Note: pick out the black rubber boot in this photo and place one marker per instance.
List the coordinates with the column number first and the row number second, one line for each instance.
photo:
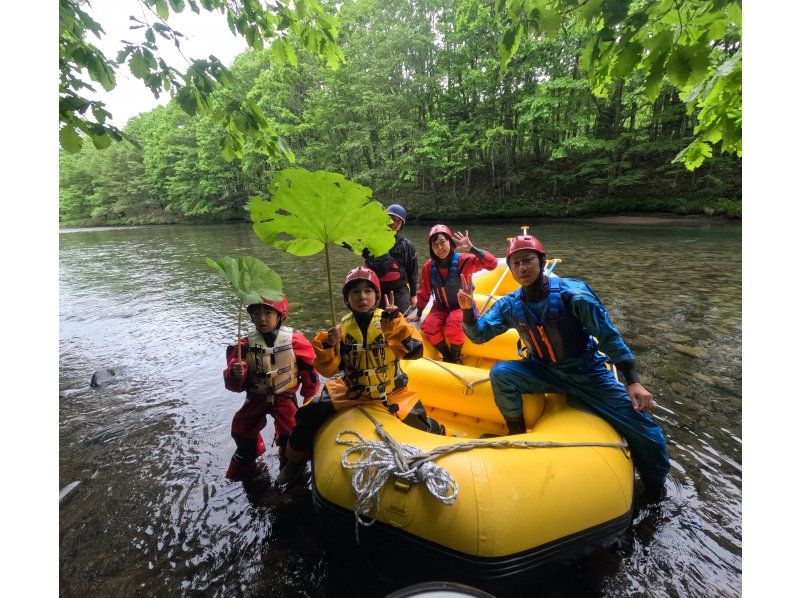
column 455, row 353
column 655, row 491
column 516, row 425
column 444, row 350
column 290, row 473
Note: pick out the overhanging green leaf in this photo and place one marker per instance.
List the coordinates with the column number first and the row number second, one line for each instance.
column 161, row 9
column 101, row 141
column 679, row 66
column 69, row 139
column 138, row 65
column 694, row 154
column 627, row 59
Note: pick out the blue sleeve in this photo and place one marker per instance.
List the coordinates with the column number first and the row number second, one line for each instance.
column 495, row 321
column 586, row 306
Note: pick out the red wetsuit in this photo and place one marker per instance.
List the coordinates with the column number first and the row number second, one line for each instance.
column 444, row 322
column 251, row 418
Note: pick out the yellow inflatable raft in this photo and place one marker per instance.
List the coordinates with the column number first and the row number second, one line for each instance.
column 516, row 508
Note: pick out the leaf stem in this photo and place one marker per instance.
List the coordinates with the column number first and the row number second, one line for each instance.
column 330, row 285
column 239, row 333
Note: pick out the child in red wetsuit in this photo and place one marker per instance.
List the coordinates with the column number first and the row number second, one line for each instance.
column 452, row 256
column 275, row 361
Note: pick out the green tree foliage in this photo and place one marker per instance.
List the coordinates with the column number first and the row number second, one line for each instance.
column 419, row 114
column 198, row 89
column 693, row 44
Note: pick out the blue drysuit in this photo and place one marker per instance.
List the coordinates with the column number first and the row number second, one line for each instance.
column 579, row 370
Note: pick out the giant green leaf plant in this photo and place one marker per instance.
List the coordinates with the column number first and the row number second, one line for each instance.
column 308, row 211
column 693, row 44
column 251, row 279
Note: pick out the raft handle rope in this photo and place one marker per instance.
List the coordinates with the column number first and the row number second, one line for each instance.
column 378, row 461
column 469, row 386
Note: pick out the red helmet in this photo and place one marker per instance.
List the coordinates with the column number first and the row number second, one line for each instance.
column 521, row 242
column 282, row 306
column 361, row 273
column 439, row 229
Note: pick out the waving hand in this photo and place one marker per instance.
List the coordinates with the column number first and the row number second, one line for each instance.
column 463, row 244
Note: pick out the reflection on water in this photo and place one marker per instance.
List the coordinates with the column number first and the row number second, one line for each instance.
column 152, row 512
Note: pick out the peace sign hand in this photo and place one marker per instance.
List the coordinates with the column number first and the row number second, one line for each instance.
column 463, row 244
column 388, row 303
column 465, row 300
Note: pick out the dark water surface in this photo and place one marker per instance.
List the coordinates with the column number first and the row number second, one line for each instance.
column 152, row 514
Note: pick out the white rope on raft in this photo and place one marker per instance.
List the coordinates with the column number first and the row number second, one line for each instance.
column 376, row 461
column 459, row 377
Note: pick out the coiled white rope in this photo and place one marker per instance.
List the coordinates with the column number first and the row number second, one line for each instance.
column 376, row 462
column 379, row 460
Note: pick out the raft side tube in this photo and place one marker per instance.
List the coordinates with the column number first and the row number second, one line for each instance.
column 439, row 389
column 510, row 499
column 423, row 556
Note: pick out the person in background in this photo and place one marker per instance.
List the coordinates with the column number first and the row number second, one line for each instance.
column 397, row 270
column 452, row 256
column 558, row 320
column 367, row 348
column 275, row 362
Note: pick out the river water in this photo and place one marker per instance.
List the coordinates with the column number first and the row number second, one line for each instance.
column 145, row 508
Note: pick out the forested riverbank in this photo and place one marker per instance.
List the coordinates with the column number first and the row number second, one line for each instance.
column 420, row 114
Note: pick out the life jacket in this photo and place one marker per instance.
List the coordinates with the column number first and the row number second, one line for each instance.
column 557, row 335
column 271, row 370
column 370, row 366
column 447, row 291
column 387, row 268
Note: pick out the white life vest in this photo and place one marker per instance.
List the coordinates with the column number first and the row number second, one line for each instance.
column 271, row 370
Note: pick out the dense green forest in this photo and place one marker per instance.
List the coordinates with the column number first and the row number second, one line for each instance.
column 420, row 113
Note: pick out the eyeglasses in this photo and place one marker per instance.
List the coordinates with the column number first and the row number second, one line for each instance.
column 527, row 262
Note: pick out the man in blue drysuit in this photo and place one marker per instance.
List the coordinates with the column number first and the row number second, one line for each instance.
column 556, row 319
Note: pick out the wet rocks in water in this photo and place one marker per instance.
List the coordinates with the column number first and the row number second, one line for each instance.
column 703, row 377
column 678, row 338
column 690, row 351
column 102, row 376
column 642, row 342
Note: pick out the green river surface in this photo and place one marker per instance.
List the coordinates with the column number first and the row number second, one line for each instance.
column 145, row 508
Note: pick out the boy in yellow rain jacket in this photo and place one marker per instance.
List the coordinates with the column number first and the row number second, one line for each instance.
column 367, row 348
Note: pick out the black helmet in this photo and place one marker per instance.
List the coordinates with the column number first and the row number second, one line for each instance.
column 397, row 210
